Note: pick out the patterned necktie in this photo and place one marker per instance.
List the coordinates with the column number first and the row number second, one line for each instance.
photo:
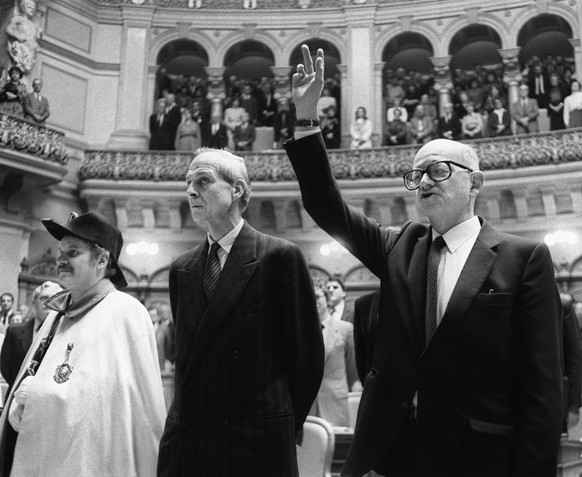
column 434, row 258
column 211, row 271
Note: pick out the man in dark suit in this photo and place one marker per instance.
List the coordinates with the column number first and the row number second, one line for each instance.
column 218, row 133
column 499, row 121
column 366, row 308
column 36, row 107
column 572, row 345
column 539, row 86
column 466, row 376
column 249, row 349
column 449, row 124
column 244, row 135
column 158, row 141
column 19, row 336
column 525, row 112
column 339, row 308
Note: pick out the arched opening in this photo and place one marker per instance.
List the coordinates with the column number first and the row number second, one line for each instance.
column 545, row 35
column 474, row 42
column 179, row 61
column 410, row 51
column 249, row 60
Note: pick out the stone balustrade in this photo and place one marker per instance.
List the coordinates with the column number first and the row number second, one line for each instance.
column 24, row 136
column 511, row 152
column 239, row 4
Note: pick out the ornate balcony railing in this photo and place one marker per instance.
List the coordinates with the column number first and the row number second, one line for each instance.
column 239, row 4
column 273, row 166
column 24, row 136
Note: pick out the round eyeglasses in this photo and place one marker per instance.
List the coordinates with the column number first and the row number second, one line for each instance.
column 437, row 171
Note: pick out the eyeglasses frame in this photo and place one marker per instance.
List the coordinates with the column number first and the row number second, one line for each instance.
column 425, row 171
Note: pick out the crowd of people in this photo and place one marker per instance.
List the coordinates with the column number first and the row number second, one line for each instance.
column 17, row 101
column 479, row 105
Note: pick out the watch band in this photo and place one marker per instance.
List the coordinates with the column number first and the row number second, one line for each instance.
column 307, row 123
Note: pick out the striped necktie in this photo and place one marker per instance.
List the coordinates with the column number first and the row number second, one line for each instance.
column 211, row 271
column 434, row 258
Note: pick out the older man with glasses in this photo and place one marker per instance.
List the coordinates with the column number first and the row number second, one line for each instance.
column 466, row 375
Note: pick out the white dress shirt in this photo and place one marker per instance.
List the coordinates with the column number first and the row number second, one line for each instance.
column 226, row 243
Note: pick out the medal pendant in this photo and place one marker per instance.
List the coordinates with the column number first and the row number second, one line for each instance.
column 63, row 371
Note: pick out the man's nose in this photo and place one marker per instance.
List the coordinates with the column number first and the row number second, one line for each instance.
column 192, row 191
column 61, row 258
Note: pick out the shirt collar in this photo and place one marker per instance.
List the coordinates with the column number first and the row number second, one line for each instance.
column 460, row 233
column 62, row 301
column 227, row 241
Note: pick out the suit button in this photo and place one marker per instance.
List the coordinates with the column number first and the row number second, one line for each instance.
column 235, row 355
column 225, row 424
column 373, row 372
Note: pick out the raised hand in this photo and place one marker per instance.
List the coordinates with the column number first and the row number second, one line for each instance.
column 307, row 84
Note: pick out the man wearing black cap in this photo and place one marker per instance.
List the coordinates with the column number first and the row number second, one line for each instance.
column 88, row 397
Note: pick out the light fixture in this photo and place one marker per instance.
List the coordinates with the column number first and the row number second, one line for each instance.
column 561, row 237
column 142, row 248
column 332, row 247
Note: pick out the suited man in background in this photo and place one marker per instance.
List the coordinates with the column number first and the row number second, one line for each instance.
column 449, row 124
column 218, row 133
column 249, row 350
column 525, row 112
column 339, row 372
column 466, row 377
column 244, row 135
column 19, row 336
column 366, row 309
column 36, row 107
column 158, row 139
column 338, row 307
column 499, row 121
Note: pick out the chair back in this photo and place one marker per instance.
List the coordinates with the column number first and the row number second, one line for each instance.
column 315, row 453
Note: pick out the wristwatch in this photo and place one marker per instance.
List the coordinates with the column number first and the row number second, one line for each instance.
column 307, row 123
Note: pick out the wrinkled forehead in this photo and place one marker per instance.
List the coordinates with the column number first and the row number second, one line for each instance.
column 440, row 150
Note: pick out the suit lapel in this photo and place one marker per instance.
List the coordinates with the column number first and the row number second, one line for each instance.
column 234, row 278
column 474, row 273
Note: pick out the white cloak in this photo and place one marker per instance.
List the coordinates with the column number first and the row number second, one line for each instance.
column 107, row 419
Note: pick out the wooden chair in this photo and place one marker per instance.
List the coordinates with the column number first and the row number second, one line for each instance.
column 315, row 453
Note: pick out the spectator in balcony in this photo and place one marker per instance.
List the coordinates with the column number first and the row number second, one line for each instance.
column 218, row 133
column 164, row 82
column 19, row 336
column 339, row 373
column 172, row 118
column 525, row 112
column 397, row 105
column 475, row 94
column 472, row 123
column 268, row 104
column 249, row 102
column 159, row 139
column 200, row 117
column 12, row 93
column 556, row 103
column 538, row 86
column 421, row 126
column 36, row 106
column 244, row 135
column 361, row 130
column 449, row 124
column 7, row 310
column 183, row 98
column 232, row 118
column 573, row 106
column 411, row 98
column 188, row 134
column 394, row 90
column 489, row 103
column 330, row 129
column 395, row 131
column 499, row 121
column 325, row 102
column 284, row 122
column 429, row 108
column 461, row 104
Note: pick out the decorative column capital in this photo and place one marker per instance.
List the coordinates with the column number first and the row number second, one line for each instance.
column 442, row 72
column 509, row 58
column 215, row 81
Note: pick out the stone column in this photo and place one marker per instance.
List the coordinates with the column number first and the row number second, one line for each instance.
column 344, row 114
column 576, row 43
column 282, row 81
column 379, row 113
column 132, row 89
column 443, row 79
column 216, row 90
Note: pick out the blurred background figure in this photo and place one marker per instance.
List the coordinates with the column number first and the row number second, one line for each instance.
column 19, row 336
column 164, row 331
column 361, row 130
column 339, row 372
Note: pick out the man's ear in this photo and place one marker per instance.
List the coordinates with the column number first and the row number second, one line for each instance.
column 239, row 189
column 477, row 180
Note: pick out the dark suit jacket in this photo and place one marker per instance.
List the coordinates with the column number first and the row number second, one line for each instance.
column 163, row 137
column 248, row 364
column 489, row 382
column 530, row 110
column 366, row 310
column 572, row 346
column 35, row 110
column 493, row 122
column 244, row 133
column 454, row 125
column 218, row 140
column 16, row 343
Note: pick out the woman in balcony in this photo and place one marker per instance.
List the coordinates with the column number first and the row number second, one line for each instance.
column 188, row 135
column 12, row 92
column 573, row 107
column 233, row 118
column 472, row 123
column 361, row 130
